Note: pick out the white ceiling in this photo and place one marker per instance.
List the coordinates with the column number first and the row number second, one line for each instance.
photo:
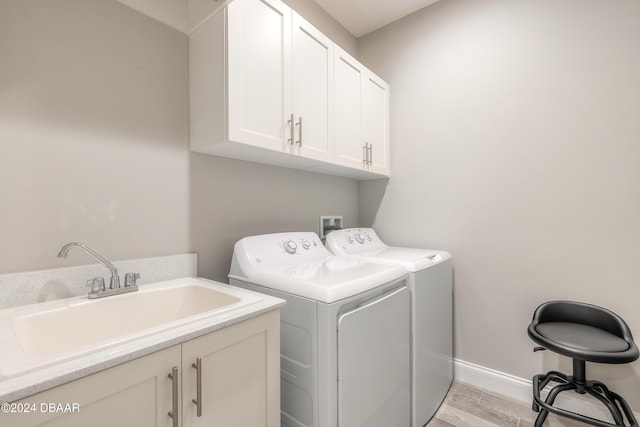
column 361, row 17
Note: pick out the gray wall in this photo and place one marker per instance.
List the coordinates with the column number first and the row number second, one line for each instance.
column 232, row 199
column 516, row 146
column 93, row 133
column 94, row 145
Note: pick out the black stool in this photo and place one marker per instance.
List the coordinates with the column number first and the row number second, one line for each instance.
column 586, row 333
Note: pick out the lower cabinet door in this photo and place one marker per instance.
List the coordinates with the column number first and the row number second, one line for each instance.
column 135, row 394
column 231, row 377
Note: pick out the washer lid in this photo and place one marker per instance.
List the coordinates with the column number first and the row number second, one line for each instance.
column 365, row 244
column 311, row 273
column 410, row 258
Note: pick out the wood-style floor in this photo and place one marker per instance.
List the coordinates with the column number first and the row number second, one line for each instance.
column 467, row 406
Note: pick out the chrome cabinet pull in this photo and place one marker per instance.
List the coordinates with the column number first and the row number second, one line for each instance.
column 367, row 154
column 299, row 124
column 364, row 154
column 174, row 396
column 198, row 367
column 291, row 124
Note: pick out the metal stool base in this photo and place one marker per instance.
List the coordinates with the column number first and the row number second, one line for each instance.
column 614, row 402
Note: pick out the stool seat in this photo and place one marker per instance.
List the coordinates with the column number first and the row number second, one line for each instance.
column 583, row 331
column 583, row 342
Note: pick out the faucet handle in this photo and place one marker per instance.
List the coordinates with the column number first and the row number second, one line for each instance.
column 96, row 284
column 130, row 279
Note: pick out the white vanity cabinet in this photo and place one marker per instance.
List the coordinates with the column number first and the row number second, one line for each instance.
column 239, row 375
column 136, row 393
column 240, row 385
column 265, row 86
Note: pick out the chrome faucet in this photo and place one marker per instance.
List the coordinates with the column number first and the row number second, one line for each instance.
column 96, row 285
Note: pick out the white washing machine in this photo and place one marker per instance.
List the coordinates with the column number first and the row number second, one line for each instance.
column 431, row 286
column 345, row 332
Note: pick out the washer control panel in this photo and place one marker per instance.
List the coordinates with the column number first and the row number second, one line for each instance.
column 352, row 240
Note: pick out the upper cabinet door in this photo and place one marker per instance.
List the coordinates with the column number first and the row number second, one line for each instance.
column 312, row 91
column 259, row 72
column 375, row 122
column 348, row 145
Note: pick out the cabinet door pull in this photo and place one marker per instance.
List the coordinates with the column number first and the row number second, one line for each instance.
column 299, row 124
column 198, row 400
column 291, row 123
column 174, row 395
column 364, row 154
column 370, row 154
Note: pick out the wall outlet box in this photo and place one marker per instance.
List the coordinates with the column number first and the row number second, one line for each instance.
column 329, row 223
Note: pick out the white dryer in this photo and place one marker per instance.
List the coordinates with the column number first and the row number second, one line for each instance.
column 431, row 286
column 345, row 332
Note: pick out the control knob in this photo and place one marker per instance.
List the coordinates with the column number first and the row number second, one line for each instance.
column 290, row 246
column 360, row 237
column 306, row 244
column 350, row 238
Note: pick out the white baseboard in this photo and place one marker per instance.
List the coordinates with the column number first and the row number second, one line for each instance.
column 521, row 389
column 492, row 380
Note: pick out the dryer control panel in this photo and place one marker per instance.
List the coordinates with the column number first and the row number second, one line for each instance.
column 297, row 244
column 282, row 248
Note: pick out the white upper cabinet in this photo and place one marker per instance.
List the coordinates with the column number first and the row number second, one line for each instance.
column 349, row 143
column 361, row 116
column 312, row 90
column 375, row 122
column 266, row 86
column 259, row 72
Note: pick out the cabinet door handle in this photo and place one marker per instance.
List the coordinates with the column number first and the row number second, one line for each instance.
column 291, row 124
column 198, row 400
column 367, row 155
column 174, row 396
column 299, row 124
column 370, row 154
column 365, row 151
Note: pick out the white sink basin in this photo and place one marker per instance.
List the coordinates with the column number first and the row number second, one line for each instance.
column 38, row 335
column 87, row 322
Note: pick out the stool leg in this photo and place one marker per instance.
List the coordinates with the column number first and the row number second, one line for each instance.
column 602, row 393
column 625, row 407
column 542, row 416
column 540, row 382
column 536, row 392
